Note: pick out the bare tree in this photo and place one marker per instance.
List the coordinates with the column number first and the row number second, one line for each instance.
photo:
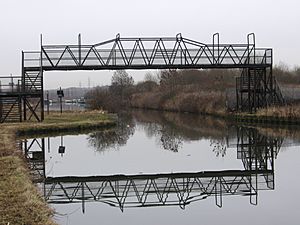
column 121, row 78
column 151, row 77
column 121, row 84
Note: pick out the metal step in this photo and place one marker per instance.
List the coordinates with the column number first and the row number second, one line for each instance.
column 255, row 88
column 10, row 109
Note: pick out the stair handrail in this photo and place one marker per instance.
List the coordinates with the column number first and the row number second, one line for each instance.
column 277, row 91
column 264, row 58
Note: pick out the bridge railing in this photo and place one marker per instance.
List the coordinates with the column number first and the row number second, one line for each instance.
column 31, row 58
column 10, row 84
column 148, row 53
column 267, row 58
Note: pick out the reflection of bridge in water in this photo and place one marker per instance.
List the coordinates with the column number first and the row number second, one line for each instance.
column 256, row 151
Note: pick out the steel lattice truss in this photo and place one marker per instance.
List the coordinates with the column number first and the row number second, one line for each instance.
column 148, row 53
column 157, row 190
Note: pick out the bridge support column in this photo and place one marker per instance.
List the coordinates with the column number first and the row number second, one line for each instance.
column 256, row 88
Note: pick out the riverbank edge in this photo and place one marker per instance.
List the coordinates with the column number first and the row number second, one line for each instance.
column 239, row 117
column 260, row 119
column 20, row 199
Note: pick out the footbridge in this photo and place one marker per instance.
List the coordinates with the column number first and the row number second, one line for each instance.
column 255, row 88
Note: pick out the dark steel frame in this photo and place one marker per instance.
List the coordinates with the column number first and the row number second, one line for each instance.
column 255, row 88
column 10, row 99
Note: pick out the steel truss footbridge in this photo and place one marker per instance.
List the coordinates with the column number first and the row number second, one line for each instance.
column 22, row 98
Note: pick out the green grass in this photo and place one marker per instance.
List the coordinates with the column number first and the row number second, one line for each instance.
column 69, row 117
column 56, row 123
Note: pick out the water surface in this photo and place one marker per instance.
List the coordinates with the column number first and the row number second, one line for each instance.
column 164, row 168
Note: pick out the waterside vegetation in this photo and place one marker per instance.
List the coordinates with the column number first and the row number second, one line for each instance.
column 209, row 92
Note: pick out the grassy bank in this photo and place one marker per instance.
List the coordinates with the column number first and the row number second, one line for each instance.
column 281, row 115
column 284, row 115
column 201, row 102
column 208, row 92
column 67, row 122
column 20, row 201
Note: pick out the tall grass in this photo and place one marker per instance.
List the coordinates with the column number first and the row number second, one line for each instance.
column 206, row 102
column 288, row 111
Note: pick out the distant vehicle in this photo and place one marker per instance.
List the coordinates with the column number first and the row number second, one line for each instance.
column 69, row 101
column 48, row 102
column 81, row 101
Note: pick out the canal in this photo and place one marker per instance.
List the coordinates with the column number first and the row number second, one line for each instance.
column 168, row 168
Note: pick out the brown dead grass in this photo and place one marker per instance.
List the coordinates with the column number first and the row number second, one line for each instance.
column 288, row 111
column 203, row 102
column 20, row 200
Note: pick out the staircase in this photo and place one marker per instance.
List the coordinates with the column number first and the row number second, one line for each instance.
column 32, row 82
column 10, row 109
column 250, row 79
column 278, row 99
column 257, row 88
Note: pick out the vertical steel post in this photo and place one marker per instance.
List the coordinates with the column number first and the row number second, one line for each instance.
column 255, row 77
column 11, row 83
column 60, row 101
column 265, row 88
column 218, row 48
column 115, row 57
column 237, row 94
column 42, row 80
column 49, row 148
column 271, row 78
column 20, row 106
column 79, row 49
column 249, row 90
column 82, row 197
column 251, row 94
column 44, row 157
column 48, row 102
column 254, row 89
column 23, row 87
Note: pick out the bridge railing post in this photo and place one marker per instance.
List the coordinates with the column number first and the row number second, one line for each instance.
column 42, row 81
column 23, row 88
column 79, row 49
column 249, row 37
column 216, row 36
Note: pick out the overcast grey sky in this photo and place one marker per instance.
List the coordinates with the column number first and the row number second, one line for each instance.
column 276, row 24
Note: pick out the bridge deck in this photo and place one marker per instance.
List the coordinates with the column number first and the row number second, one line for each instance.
column 226, row 173
column 143, row 67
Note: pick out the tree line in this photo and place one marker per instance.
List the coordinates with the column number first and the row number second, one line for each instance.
column 201, row 91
